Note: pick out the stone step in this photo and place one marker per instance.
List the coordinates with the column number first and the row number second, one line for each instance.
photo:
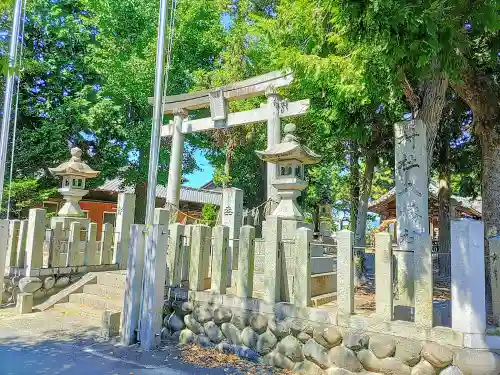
column 96, row 302
column 74, row 309
column 114, row 279
column 105, row 291
column 323, row 299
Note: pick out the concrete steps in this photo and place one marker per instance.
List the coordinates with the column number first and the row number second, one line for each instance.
column 95, row 301
column 105, row 291
column 73, row 309
column 99, row 300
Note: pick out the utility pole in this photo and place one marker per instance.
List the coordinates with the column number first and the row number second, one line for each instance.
column 154, row 151
column 9, row 91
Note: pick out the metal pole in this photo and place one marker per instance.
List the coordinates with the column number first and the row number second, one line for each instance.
column 154, row 151
column 9, row 90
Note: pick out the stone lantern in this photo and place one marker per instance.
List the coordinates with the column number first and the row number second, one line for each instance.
column 290, row 158
column 74, row 174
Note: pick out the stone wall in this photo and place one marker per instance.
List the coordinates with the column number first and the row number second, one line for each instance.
column 310, row 345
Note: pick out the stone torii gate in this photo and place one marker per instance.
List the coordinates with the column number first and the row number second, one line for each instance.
column 217, row 99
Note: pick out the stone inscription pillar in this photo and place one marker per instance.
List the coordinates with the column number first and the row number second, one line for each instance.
column 125, row 212
column 274, row 103
column 175, row 167
column 468, row 301
column 232, row 217
column 412, row 199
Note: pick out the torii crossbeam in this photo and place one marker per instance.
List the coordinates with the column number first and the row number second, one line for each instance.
column 217, row 100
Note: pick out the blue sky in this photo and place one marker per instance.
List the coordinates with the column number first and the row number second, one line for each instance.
column 204, row 175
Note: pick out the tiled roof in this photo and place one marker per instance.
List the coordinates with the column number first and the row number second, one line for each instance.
column 188, row 194
column 475, row 206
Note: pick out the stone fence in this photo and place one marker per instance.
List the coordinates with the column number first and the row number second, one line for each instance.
column 266, row 311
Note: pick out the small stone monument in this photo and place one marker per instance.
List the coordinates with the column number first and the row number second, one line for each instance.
column 290, row 157
column 74, row 173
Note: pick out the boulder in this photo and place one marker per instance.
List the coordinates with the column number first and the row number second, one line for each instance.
column 345, row 358
column 382, row 346
column 245, row 352
column 62, row 281
column 49, row 282
column 174, row 323
column 204, row 341
column 231, row 332
column 240, row 320
column 338, row 371
column 307, row 368
column 408, row 351
column 187, row 307
column 437, row 355
column 30, row 284
column 390, row 365
column 328, row 337
column 477, row 362
column 202, row 314
column 222, row 315
column 258, row 322
column 295, row 326
column 249, row 337
column 165, row 334
column 290, row 347
column 303, row 337
column 451, row 370
column 423, row 368
column 224, row 347
column 316, row 353
column 187, row 337
column 355, row 340
column 277, row 359
column 266, row 343
column 193, row 325
column 213, row 332
column 176, row 336
column 279, row 329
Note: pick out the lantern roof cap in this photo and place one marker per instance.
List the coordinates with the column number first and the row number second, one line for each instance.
column 289, row 149
column 74, row 166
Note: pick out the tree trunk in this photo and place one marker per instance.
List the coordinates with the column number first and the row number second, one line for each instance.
column 444, row 195
column 140, row 202
column 428, row 105
column 354, row 184
column 366, row 189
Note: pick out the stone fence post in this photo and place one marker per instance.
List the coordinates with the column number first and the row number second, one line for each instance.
column 106, row 255
column 301, row 295
column 345, row 271
column 198, row 256
column 154, row 282
column 232, row 216
column 90, row 255
column 133, row 285
column 186, row 252
column 4, row 234
column 125, row 212
column 244, row 283
column 219, row 259
column 14, row 227
column 383, row 276
column 73, row 254
column 21, row 244
column 35, row 238
column 272, row 229
column 55, row 244
column 468, row 301
column 175, row 245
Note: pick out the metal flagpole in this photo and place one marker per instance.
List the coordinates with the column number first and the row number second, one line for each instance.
column 9, row 90
column 154, row 151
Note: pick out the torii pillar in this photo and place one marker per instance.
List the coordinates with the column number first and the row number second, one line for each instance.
column 176, row 156
column 274, row 103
